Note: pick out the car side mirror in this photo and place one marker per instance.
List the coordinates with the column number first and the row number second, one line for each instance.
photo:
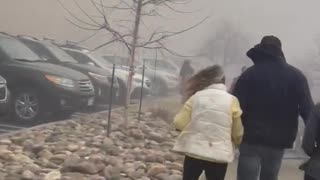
column 45, row 58
column 91, row 63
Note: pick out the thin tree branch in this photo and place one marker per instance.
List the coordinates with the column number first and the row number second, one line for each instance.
column 82, row 27
column 89, row 37
column 74, row 16
column 176, row 10
column 170, row 34
column 85, row 13
column 105, row 44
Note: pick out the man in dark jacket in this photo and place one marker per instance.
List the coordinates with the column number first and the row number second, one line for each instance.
column 311, row 145
column 234, row 82
column 272, row 95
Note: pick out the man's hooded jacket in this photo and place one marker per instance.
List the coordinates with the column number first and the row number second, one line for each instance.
column 272, row 95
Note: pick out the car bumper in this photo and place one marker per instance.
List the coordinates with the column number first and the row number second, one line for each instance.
column 5, row 104
column 68, row 99
column 103, row 92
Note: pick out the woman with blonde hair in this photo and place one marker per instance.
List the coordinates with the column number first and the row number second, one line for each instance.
column 210, row 125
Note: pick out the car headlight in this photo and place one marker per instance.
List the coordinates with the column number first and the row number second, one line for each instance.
column 98, row 77
column 61, row 81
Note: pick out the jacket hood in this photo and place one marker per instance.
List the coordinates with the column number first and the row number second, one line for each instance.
column 265, row 53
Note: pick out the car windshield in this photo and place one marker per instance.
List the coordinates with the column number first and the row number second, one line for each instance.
column 17, row 50
column 160, row 64
column 60, row 54
column 101, row 60
column 123, row 61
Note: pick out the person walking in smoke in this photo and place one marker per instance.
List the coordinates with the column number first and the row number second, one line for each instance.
column 211, row 125
column 272, row 95
column 243, row 69
column 311, row 145
column 186, row 73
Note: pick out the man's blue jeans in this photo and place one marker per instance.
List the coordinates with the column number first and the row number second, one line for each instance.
column 259, row 162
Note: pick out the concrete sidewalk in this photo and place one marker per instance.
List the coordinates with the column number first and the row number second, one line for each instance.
column 289, row 171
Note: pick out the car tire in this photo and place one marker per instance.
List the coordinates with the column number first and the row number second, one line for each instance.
column 159, row 88
column 27, row 105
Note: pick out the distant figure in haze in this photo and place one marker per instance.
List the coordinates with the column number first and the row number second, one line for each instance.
column 272, row 95
column 243, row 69
column 210, row 122
column 186, row 73
column 311, row 145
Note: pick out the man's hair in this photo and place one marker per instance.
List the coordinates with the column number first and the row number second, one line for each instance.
column 204, row 78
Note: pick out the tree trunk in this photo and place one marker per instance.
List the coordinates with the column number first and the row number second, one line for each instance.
column 132, row 56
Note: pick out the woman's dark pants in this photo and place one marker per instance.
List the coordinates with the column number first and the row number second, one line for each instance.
column 194, row 167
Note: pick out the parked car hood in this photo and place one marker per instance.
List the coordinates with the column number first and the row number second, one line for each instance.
column 2, row 80
column 87, row 68
column 52, row 69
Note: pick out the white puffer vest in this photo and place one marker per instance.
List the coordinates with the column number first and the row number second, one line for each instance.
column 208, row 135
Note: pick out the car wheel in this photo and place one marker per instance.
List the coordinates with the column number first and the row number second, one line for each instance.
column 27, row 105
column 159, row 88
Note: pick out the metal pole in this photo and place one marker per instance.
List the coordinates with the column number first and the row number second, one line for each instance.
column 141, row 93
column 111, row 99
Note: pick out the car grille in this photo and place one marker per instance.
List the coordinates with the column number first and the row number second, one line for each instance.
column 3, row 92
column 85, row 86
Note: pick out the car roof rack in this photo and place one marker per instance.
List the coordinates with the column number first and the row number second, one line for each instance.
column 28, row 37
column 49, row 39
column 6, row 34
column 74, row 45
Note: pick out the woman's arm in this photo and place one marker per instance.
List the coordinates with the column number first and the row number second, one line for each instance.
column 183, row 118
column 237, row 127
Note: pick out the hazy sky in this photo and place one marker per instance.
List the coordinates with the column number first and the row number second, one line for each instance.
column 294, row 21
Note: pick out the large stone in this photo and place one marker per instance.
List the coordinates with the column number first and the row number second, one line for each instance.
column 157, row 169
column 163, row 176
column 14, row 169
column 73, row 147
column 136, row 133
column 5, row 141
column 73, row 176
column 33, row 168
column 45, row 154
column 22, row 159
column 137, row 174
column 58, row 159
column 111, row 172
column 175, row 166
column 54, row 175
column 28, row 175
column 111, row 149
column 170, row 157
column 84, row 167
column 156, row 137
column 5, row 154
column 175, row 177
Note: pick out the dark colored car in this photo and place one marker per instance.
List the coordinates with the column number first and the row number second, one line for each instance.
column 4, row 97
column 101, row 78
column 38, row 87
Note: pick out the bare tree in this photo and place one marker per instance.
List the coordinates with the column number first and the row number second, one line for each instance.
column 119, row 30
column 227, row 46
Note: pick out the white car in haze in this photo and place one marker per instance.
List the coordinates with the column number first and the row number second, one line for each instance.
column 163, row 74
column 89, row 58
